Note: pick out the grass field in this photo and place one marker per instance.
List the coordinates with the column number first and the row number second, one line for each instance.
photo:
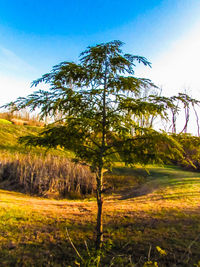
column 163, row 211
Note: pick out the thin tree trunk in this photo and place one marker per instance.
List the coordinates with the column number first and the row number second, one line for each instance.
column 99, row 237
column 197, row 120
column 99, row 177
column 186, row 120
column 173, row 121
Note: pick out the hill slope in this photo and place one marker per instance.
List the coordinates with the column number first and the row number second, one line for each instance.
column 9, row 134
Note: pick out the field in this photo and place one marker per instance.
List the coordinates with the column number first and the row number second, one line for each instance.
column 163, row 212
column 148, row 216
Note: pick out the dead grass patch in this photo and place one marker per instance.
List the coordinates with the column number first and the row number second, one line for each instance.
column 49, row 176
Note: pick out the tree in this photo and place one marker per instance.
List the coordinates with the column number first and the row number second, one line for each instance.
column 99, row 98
column 176, row 104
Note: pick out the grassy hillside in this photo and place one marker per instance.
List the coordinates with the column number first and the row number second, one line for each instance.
column 157, row 221
column 3, row 121
column 9, row 133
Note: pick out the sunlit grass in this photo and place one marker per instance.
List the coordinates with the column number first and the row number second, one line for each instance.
column 5, row 121
column 9, row 134
column 161, row 211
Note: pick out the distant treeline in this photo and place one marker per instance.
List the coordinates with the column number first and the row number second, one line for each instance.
column 22, row 118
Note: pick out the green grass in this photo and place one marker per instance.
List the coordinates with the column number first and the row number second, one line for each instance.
column 5, row 121
column 10, row 133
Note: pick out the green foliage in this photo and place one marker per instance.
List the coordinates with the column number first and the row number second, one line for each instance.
column 98, row 100
column 191, row 148
column 9, row 142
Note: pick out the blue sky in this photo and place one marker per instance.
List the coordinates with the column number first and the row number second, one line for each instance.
column 35, row 35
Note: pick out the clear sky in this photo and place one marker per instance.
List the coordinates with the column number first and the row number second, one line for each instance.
column 35, row 35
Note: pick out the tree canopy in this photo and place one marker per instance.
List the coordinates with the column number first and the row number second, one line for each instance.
column 98, row 100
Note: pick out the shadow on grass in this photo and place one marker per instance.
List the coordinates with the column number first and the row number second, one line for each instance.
column 175, row 231
column 42, row 243
column 132, row 236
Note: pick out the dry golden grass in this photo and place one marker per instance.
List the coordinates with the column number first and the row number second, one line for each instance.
column 49, row 175
column 164, row 211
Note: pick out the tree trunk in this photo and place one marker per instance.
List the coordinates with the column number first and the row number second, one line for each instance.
column 197, row 120
column 99, row 176
column 99, row 237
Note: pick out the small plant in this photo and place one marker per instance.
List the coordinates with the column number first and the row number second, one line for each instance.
column 161, row 251
column 91, row 258
column 150, row 264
